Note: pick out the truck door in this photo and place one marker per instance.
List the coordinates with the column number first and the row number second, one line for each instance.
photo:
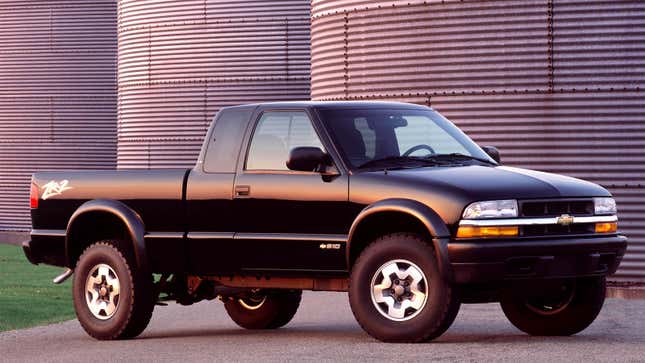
column 210, row 216
column 288, row 220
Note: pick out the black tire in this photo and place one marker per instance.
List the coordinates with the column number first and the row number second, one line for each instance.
column 427, row 322
column 134, row 302
column 267, row 310
column 563, row 315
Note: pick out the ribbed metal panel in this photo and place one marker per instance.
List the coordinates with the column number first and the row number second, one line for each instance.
column 502, row 48
column 57, row 94
column 555, row 84
column 598, row 49
column 599, row 44
column 181, row 61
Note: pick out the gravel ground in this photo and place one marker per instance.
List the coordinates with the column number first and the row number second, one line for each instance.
column 324, row 330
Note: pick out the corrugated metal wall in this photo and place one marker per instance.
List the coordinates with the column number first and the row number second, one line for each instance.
column 57, row 94
column 180, row 61
column 557, row 85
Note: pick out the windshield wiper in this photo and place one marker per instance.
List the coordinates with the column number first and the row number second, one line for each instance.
column 435, row 159
column 398, row 159
column 460, row 156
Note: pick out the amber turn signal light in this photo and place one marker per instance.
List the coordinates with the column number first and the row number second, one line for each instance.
column 609, row 227
column 474, row 231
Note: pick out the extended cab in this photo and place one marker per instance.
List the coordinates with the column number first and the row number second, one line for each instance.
column 388, row 201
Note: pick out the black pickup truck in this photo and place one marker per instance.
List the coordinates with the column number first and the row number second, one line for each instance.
column 388, row 201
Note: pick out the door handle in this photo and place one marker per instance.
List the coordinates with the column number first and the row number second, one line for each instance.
column 242, row 190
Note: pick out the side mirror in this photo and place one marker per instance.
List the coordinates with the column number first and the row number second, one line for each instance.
column 492, row 152
column 307, row 158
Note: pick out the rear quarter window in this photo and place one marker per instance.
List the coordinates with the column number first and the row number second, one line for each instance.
column 225, row 140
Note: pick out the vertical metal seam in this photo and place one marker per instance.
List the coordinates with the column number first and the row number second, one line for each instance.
column 119, row 7
column 205, row 12
column 286, row 47
column 550, row 70
column 119, row 105
column 205, row 105
column 346, row 54
column 149, row 56
column 51, row 118
column 51, row 29
column 119, row 125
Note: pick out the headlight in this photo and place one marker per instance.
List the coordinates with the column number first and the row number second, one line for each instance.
column 491, row 209
column 604, row 206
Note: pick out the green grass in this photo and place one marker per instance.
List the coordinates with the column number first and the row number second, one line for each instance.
column 27, row 295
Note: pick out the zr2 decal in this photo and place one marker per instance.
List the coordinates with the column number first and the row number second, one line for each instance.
column 54, row 188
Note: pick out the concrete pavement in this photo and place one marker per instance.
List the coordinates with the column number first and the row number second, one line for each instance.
column 324, row 330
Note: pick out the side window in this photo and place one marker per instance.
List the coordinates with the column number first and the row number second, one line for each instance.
column 275, row 135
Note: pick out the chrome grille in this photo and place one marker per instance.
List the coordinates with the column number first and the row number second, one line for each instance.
column 555, row 208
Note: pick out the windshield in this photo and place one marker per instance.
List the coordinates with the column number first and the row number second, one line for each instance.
column 366, row 136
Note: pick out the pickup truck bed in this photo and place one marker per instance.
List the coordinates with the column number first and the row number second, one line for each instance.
column 156, row 196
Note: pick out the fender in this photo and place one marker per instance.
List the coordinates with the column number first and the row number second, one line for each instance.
column 130, row 219
column 430, row 219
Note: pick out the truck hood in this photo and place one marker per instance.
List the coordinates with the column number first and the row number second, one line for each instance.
column 487, row 183
column 448, row 190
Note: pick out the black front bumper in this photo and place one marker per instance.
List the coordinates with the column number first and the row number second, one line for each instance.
column 485, row 261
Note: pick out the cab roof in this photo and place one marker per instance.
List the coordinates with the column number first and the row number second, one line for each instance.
column 321, row 105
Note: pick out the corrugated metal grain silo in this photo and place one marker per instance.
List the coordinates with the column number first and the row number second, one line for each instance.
column 556, row 84
column 57, row 94
column 180, row 61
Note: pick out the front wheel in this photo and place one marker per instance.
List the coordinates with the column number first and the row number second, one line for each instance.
column 568, row 311
column 264, row 309
column 397, row 293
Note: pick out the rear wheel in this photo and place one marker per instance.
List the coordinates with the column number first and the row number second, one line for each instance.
column 397, row 293
column 264, row 309
column 112, row 298
column 569, row 310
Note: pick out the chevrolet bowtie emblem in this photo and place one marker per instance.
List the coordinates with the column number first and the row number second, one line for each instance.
column 565, row 220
